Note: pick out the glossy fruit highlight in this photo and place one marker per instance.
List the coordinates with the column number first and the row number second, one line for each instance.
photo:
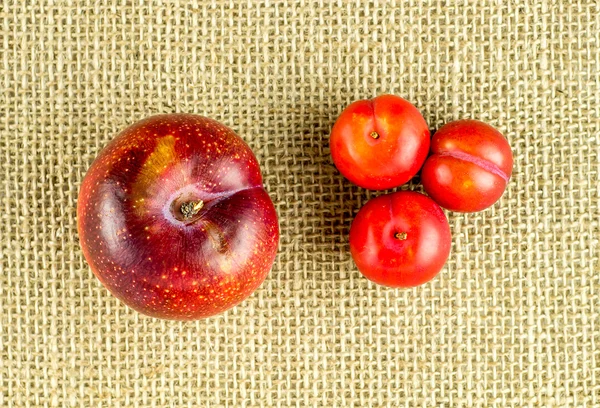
column 400, row 240
column 469, row 167
column 379, row 143
column 174, row 220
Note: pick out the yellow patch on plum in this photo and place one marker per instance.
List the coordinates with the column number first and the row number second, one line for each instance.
column 162, row 156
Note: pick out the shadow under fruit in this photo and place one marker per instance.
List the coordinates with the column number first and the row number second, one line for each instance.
column 174, row 220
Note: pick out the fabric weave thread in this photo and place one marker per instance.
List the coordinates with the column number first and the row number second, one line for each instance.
column 513, row 319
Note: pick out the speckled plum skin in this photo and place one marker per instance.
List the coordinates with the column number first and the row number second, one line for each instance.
column 139, row 244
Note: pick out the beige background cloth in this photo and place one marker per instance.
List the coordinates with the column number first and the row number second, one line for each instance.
column 512, row 320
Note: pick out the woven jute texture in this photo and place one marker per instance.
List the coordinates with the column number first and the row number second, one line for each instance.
column 511, row 321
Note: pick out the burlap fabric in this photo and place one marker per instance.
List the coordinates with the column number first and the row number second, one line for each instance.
column 513, row 319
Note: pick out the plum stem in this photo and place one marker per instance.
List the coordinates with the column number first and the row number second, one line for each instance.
column 374, row 135
column 400, row 236
column 191, row 208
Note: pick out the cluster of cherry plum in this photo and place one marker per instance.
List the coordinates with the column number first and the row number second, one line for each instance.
column 403, row 239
